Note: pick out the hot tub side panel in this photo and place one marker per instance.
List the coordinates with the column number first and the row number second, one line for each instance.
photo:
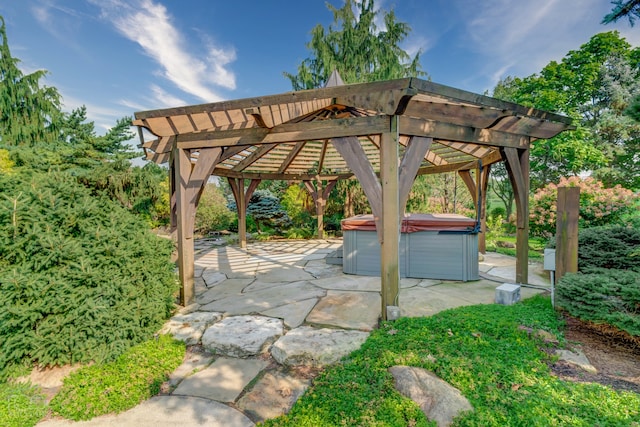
column 443, row 255
column 424, row 254
column 361, row 253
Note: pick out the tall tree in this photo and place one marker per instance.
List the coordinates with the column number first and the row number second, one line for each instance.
column 29, row 113
column 361, row 52
column 595, row 85
column 357, row 48
column 629, row 8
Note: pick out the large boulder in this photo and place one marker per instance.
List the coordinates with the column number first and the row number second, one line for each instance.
column 438, row 400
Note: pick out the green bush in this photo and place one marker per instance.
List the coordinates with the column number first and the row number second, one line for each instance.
column 21, row 405
column 81, row 278
column 603, row 296
column 212, row 213
column 609, row 247
column 117, row 386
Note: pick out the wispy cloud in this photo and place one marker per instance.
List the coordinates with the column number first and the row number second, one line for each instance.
column 520, row 38
column 165, row 99
column 149, row 24
column 61, row 22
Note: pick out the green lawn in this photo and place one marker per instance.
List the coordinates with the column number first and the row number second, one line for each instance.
column 478, row 349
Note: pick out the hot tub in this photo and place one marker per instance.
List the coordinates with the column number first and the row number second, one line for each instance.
column 432, row 246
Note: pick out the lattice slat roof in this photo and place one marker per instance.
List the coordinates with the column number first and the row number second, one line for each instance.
column 288, row 136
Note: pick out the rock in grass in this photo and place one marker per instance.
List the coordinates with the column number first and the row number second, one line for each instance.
column 438, row 400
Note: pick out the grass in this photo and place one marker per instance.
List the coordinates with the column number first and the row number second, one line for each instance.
column 115, row 387
column 478, row 349
column 21, row 405
column 536, row 247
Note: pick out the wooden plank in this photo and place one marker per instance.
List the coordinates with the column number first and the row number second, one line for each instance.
column 454, row 113
column 411, row 161
column 308, row 100
column 567, row 216
column 255, row 156
column 287, row 132
column 157, row 158
column 390, row 244
column 352, row 152
column 447, row 92
column 452, row 132
column 291, row 156
column 182, row 171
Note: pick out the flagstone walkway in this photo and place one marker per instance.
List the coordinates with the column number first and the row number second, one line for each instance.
column 265, row 317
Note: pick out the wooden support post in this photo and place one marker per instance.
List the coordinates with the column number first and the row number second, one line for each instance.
column 319, row 196
column 242, row 201
column 389, row 251
column 518, row 169
column 482, row 237
column 568, row 212
column 182, row 171
column 189, row 183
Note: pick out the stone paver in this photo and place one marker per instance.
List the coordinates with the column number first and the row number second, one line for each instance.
column 223, row 380
column 190, row 327
column 347, row 310
column 230, row 287
column 242, row 336
column 293, row 314
column 345, row 282
column 255, row 302
column 167, row 411
column 212, row 277
column 273, row 395
column 316, row 347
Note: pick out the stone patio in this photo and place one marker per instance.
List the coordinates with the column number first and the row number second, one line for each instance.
column 264, row 311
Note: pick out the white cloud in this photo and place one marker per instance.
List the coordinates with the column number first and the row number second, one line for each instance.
column 150, row 25
column 520, row 38
column 165, row 99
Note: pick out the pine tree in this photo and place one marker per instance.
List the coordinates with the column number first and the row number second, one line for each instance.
column 29, row 114
column 355, row 47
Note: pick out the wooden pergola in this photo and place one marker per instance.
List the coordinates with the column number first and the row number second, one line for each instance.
column 383, row 134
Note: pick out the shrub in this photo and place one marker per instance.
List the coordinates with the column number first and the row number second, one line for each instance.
column 603, row 296
column 212, row 213
column 21, row 405
column 598, row 206
column 81, row 278
column 117, row 386
column 498, row 211
column 609, row 247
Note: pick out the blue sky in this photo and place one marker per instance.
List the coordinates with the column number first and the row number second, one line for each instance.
column 121, row 56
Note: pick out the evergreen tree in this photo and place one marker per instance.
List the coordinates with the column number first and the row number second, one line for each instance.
column 361, row 52
column 29, row 114
column 355, row 47
column 628, row 8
